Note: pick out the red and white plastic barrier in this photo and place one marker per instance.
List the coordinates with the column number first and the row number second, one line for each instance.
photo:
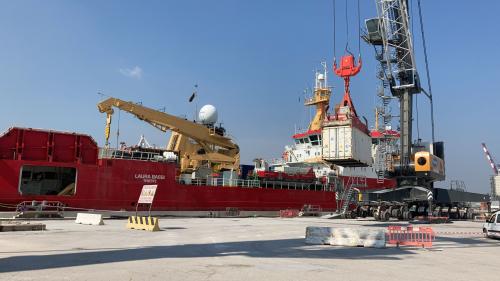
column 289, row 213
column 410, row 236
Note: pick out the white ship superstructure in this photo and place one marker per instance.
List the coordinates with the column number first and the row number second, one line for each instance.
column 308, row 147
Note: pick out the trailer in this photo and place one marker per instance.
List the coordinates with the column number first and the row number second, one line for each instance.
column 407, row 203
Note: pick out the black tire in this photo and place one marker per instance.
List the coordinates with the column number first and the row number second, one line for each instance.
column 411, row 215
column 396, row 213
column 359, row 211
column 470, row 215
column 385, row 215
column 353, row 215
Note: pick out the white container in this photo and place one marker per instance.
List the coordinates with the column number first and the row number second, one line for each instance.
column 346, row 146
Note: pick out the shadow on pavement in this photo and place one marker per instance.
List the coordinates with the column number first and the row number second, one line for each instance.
column 464, row 242
column 288, row 248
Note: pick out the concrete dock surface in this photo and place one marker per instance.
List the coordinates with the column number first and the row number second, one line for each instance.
column 238, row 249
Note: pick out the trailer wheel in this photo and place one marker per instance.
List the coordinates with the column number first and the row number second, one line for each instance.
column 381, row 215
column 452, row 216
column 435, row 213
column 470, row 213
column 396, row 213
column 353, row 215
column 364, row 213
column 385, row 215
column 359, row 211
column 411, row 215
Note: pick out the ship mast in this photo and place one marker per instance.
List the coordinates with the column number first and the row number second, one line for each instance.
column 320, row 98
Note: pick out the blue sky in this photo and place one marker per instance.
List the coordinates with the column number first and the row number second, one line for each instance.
column 251, row 59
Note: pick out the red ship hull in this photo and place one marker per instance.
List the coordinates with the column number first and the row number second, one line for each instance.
column 115, row 184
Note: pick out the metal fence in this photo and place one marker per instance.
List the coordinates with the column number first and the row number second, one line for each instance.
column 110, row 153
column 219, row 182
column 253, row 184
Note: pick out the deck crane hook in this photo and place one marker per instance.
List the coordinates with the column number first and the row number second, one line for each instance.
column 347, row 69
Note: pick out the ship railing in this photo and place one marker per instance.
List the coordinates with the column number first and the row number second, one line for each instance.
column 110, row 153
column 317, row 98
column 209, row 181
column 297, row 185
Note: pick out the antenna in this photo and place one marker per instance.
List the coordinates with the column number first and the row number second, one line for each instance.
column 325, row 73
column 195, row 93
column 102, row 95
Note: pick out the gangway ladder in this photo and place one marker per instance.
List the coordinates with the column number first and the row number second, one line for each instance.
column 381, row 163
column 353, row 183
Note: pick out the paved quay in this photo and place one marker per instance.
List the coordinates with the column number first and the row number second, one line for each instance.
column 238, row 249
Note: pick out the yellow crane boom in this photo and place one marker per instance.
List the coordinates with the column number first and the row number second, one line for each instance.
column 217, row 151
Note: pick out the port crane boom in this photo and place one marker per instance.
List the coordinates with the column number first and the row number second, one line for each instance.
column 495, row 167
column 211, row 148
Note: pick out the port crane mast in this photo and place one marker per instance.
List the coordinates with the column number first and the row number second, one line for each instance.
column 390, row 34
column 198, row 145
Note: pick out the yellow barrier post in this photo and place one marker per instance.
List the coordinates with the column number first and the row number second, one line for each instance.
column 143, row 223
column 148, row 223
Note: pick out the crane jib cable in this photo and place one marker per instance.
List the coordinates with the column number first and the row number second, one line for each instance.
column 346, row 30
column 346, row 48
column 359, row 30
column 334, row 29
column 427, row 69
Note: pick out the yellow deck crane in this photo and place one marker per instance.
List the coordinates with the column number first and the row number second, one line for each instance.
column 198, row 145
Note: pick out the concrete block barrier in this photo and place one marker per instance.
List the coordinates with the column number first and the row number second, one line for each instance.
column 318, row 235
column 21, row 226
column 89, row 219
column 350, row 237
column 143, row 223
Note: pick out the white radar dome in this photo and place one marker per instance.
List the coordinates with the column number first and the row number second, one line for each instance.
column 321, row 76
column 208, row 114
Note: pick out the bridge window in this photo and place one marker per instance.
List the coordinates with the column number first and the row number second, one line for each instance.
column 314, row 139
column 46, row 180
